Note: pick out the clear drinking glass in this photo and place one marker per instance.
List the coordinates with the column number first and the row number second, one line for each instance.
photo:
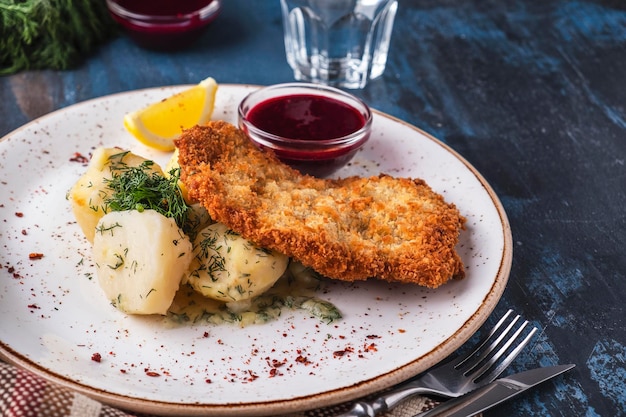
column 342, row 43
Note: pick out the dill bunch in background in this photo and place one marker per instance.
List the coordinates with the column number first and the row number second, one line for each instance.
column 50, row 34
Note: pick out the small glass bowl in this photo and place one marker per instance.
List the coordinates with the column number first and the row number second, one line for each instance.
column 320, row 156
column 164, row 25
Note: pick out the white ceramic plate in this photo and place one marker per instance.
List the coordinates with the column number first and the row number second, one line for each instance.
column 55, row 318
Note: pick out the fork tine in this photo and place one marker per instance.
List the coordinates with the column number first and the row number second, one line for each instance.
column 488, row 357
column 482, row 342
column 495, row 372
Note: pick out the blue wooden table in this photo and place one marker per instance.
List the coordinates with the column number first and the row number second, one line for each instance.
column 532, row 93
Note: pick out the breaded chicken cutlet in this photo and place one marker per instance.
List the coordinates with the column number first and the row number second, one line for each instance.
column 355, row 228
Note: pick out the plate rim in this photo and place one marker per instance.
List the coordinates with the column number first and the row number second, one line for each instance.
column 300, row 403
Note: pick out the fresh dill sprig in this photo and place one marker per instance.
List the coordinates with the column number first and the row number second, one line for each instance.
column 55, row 34
column 140, row 188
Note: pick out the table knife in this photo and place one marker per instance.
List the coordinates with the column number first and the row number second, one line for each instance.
column 495, row 393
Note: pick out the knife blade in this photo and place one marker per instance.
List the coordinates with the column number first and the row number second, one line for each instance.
column 495, row 393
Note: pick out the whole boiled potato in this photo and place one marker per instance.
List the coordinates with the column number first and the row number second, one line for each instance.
column 229, row 268
column 141, row 257
column 87, row 195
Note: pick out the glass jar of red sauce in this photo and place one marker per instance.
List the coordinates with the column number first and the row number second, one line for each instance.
column 164, row 24
column 314, row 128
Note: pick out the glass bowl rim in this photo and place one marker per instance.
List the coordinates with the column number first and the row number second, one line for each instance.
column 206, row 12
column 310, row 144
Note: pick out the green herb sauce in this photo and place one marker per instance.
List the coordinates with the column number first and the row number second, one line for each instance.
column 295, row 290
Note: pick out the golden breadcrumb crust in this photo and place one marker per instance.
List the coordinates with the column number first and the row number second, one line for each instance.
column 396, row 229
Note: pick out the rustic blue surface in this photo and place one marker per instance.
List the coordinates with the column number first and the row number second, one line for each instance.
column 532, row 93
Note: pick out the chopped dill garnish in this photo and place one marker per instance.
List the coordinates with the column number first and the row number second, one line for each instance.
column 139, row 188
column 209, row 250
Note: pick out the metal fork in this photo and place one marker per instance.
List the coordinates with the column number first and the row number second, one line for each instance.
column 458, row 376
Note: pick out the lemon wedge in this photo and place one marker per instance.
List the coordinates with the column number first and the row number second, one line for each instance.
column 160, row 123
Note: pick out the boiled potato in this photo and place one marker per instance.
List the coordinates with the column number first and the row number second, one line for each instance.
column 141, row 257
column 87, row 195
column 229, row 268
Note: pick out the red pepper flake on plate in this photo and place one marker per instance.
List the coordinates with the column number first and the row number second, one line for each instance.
column 251, row 376
column 303, row 359
column 78, row 157
column 341, row 353
column 371, row 347
column 96, row 357
column 13, row 272
column 35, row 255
